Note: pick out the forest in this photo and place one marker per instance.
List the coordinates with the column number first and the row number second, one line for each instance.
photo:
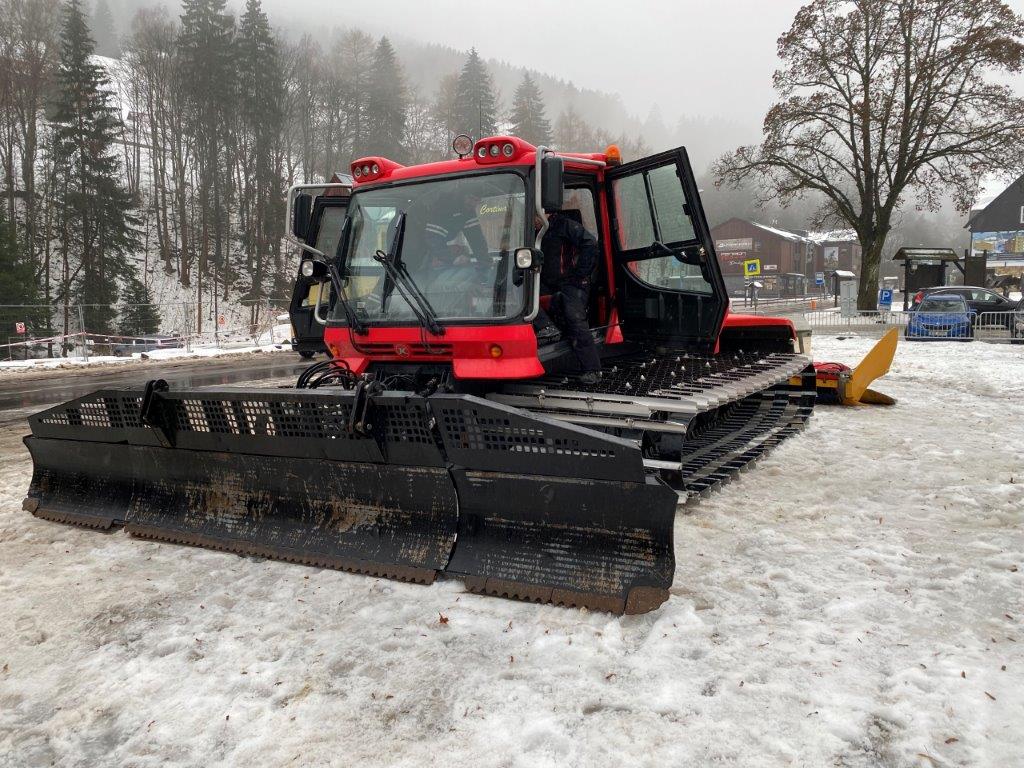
column 145, row 161
column 160, row 175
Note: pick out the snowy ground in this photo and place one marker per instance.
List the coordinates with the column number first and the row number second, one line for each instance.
column 8, row 367
column 855, row 600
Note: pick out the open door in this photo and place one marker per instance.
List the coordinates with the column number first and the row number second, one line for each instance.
column 326, row 220
column 670, row 286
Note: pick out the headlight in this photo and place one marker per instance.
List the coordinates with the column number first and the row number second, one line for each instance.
column 524, row 258
column 307, row 268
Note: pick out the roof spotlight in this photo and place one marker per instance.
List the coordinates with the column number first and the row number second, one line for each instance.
column 495, row 149
column 508, row 150
column 463, row 145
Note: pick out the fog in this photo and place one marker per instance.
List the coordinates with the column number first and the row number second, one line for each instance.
column 690, row 59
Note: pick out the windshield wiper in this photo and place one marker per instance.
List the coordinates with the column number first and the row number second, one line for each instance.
column 353, row 319
column 402, row 280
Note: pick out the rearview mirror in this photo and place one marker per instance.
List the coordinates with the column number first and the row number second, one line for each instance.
column 302, row 209
column 552, row 186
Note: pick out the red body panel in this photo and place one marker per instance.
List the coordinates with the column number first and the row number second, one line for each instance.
column 468, row 348
column 749, row 321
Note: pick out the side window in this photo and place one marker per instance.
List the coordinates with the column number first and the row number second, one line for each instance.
column 670, row 205
column 633, row 214
column 650, row 205
column 330, row 230
column 582, row 199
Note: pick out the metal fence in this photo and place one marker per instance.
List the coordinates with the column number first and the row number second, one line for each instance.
column 986, row 326
column 29, row 331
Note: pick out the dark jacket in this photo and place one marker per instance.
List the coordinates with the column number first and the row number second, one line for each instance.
column 570, row 254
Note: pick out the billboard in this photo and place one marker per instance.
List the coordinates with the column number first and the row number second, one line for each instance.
column 736, row 244
column 1010, row 242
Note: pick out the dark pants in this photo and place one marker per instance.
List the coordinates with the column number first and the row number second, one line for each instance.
column 568, row 311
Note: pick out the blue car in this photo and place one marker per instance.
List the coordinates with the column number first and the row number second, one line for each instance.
column 941, row 316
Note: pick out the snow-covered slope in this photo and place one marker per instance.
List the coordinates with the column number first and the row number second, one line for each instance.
column 857, row 599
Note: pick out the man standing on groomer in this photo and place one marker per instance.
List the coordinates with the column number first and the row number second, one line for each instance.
column 570, row 257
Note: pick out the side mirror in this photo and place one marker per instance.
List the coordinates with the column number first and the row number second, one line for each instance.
column 302, row 209
column 552, row 186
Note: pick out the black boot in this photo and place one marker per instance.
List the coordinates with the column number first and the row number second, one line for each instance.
column 590, row 378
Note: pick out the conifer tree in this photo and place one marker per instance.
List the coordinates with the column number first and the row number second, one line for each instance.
column 97, row 221
column 260, row 120
column 387, row 104
column 476, row 110
column 528, row 117
column 208, row 72
column 139, row 316
column 18, row 283
column 105, row 30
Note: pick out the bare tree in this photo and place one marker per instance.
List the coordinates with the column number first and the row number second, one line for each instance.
column 881, row 100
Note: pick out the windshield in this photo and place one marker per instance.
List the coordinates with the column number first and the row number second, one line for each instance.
column 460, row 237
column 943, row 304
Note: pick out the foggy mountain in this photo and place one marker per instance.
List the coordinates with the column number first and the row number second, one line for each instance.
column 705, row 135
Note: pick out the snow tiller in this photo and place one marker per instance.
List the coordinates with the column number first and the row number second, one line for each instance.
column 442, row 437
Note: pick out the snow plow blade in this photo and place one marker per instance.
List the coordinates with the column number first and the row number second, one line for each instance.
column 397, row 485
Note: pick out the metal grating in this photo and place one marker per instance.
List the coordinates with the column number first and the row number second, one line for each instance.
column 474, row 431
column 405, row 423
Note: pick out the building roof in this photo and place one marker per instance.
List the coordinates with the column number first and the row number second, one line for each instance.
column 783, row 233
column 834, row 236
column 988, row 206
column 925, row 254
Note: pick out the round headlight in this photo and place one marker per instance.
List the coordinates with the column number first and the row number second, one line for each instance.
column 307, row 268
column 357, row 172
column 495, row 150
column 481, row 151
column 376, row 169
column 524, row 258
column 366, row 170
column 508, row 150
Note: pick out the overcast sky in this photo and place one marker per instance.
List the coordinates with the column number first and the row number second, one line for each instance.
column 706, row 57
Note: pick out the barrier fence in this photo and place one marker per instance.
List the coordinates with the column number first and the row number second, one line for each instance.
column 986, row 326
column 30, row 331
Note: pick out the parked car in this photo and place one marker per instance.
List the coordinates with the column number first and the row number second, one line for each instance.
column 989, row 307
column 1017, row 326
column 941, row 316
column 147, row 344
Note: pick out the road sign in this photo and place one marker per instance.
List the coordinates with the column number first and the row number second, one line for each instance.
column 885, row 299
column 752, row 267
column 819, row 278
column 19, row 328
column 847, row 298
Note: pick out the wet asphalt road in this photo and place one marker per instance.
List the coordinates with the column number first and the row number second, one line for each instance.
column 36, row 390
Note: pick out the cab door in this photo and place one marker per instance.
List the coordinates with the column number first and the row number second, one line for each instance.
column 670, row 286
column 324, row 233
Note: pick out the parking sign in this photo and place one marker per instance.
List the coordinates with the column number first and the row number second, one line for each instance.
column 885, row 299
column 752, row 267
